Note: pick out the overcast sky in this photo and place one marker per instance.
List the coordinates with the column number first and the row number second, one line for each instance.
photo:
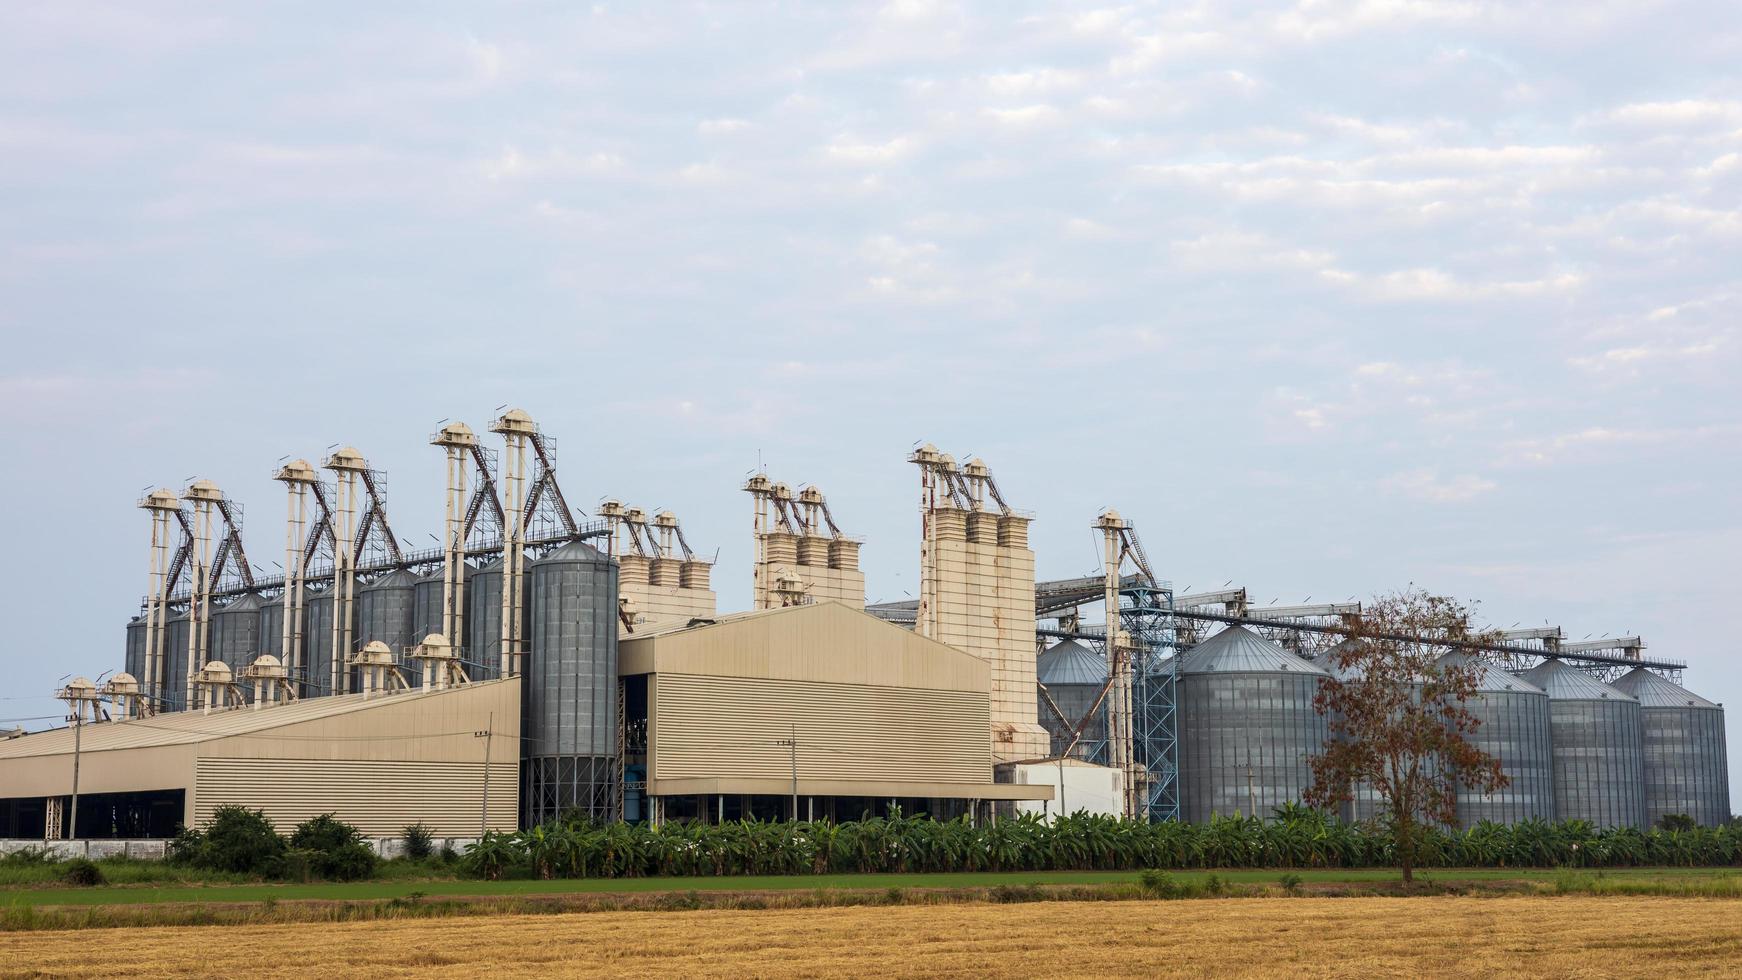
column 1328, row 297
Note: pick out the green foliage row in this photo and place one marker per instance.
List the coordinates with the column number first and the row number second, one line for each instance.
column 1296, row 837
column 243, row 841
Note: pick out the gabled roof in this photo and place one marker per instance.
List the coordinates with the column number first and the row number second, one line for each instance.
column 1070, row 662
column 1566, row 683
column 1239, row 650
column 1657, row 691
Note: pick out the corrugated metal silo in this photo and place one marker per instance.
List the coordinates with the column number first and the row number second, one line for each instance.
column 272, row 624
column 569, row 714
column 1515, row 729
column 1366, row 802
column 385, row 612
column 1598, row 750
column 1074, row 677
column 317, row 644
column 1247, row 725
column 482, row 653
column 133, row 662
column 426, row 604
column 175, row 661
column 1686, row 766
column 235, row 637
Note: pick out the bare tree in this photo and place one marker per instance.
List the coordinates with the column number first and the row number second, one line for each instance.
column 1398, row 721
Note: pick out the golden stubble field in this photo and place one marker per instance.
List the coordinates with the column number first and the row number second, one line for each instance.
column 1329, row 937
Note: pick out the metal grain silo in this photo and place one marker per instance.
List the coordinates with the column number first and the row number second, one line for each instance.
column 317, row 645
column 1686, row 767
column 133, row 661
column 1365, row 802
column 569, row 687
column 235, row 638
column 426, row 604
column 1247, row 725
column 1514, row 728
column 482, row 652
column 385, row 612
column 272, row 625
column 1598, row 751
column 1074, row 677
column 175, row 661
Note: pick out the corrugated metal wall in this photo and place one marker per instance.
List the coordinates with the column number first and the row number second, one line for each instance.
column 1514, row 729
column 317, row 644
column 1598, row 762
column 381, row 798
column 1686, row 769
column 728, row 726
column 569, row 715
column 384, row 613
column 482, row 653
column 1245, row 740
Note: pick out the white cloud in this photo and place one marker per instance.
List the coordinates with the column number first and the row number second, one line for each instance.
column 721, row 127
column 1426, row 484
column 846, row 149
column 1026, row 116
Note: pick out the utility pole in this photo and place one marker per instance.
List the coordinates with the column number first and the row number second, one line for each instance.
column 487, row 734
column 78, row 731
column 792, row 743
column 1251, row 786
column 1062, row 810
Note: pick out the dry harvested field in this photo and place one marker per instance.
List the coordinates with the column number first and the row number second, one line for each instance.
column 1558, row 936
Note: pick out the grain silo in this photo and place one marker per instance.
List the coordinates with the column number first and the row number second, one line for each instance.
column 1686, row 765
column 385, row 613
column 236, row 633
column 272, row 625
column 175, row 661
column 1247, row 725
column 482, row 651
column 1515, row 729
column 1365, row 803
column 426, row 604
column 317, row 645
column 569, row 716
column 1074, row 677
column 134, row 661
column 1598, row 753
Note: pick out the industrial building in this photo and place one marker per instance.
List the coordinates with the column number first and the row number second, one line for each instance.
column 537, row 664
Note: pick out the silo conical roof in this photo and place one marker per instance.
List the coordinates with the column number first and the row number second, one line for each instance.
column 1327, row 660
column 1566, row 683
column 397, row 579
column 1489, row 678
column 1657, row 691
column 1239, row 650
column 575, row 551
column 249, row 601
column 1070, row 662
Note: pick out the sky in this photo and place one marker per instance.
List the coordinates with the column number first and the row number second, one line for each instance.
column 1327, row 297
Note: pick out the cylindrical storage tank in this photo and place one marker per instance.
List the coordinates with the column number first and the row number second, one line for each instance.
column 1686, row 766
column 1599, row 766
column 843, row 553
column 1365, row 802
column 482, row 653
column 426, row 604
column 694, row 574
column 665, row 572
column 133, row 660
column 1074, row 677
column 316, row 674
column 813, row 549
column 235, row 636
column 272, row 625
column 175, row 661
column 386, row 612
column 1515, row 728
column 569, row 688
column 1247, row 725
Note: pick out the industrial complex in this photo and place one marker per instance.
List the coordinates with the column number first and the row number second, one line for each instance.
column 538, row 664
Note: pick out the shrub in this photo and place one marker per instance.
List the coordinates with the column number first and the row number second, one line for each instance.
column 237, row 839
column 83, row 873
column 419, row 842
column 337, row 851
column 1290, row 883
column 28, row 857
